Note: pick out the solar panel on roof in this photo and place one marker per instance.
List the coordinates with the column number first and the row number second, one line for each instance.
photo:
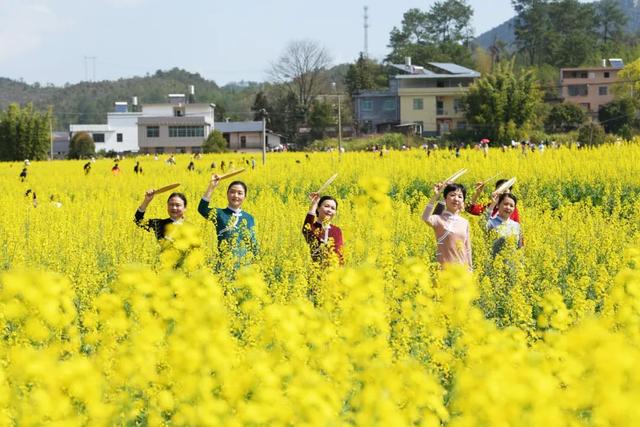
column 616, row 63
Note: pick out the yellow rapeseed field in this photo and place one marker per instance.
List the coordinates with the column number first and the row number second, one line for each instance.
column 102, row 326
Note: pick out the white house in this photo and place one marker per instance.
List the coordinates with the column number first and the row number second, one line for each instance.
column 120, row 134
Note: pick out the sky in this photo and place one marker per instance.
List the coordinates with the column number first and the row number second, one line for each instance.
column 68, row 41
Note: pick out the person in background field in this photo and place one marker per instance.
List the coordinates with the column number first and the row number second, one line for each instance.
column 191, row 167
column 501, row 224
column 137, row 169
column 176, row 207
column 451, row 230
column 87, row 168
column 324, row 239
column 115, row 169
column 23, row 174
column 234, row 227
column 476, row 208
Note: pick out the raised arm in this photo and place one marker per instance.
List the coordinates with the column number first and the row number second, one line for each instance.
column 203, row 206
column 148, row 197
column 428, row 210
column 309, row 218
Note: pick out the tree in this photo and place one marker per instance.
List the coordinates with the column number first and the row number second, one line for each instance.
column 561, row 33
column 215, row 143
column 591, row 134
column 611, row 21
column 441, row 34
column 564, row 117
column 24, row 133
column 501, row 103
column 81, row 146
column 617, row 116
column 286, row 116
column 321, row 117
column 629, row 82
column 365, row 74
column 260, row 103
column 300, row 68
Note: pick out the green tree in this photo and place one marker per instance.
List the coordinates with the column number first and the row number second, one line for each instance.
column 24, row 133
column 617, row 116
column 629, row 82
column 611, row 22
column 260, row 103
column 321, row 117
column 562, row 33
column 286, row 116
column 591, row 134
column 215, row 143
column 365, row 74
column 441, row 34
column 81, row 146
column 564, row 117
column 502, row 103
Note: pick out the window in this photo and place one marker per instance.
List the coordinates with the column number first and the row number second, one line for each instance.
column 389, row 105
column 418, row 104
column 243, row 142
column 98, row 137
column 440, row 83
column 603, row 90
column 119, row 137
column 439, row 107
column 578, row 90
column 186, row 131
column 366, row 105
column 458, row 105
column 153, row 131
column 606, row 74
column 178, row 112
column 461, row 125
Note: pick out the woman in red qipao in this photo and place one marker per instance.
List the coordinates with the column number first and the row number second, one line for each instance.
column 324, row 239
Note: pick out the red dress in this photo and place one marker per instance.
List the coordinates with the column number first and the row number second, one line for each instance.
column 321, row 239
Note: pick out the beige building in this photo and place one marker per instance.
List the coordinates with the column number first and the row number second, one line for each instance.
column 175, row 127
column 431, row 96
column 590, row 87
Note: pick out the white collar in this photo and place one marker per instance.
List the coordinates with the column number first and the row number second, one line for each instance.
column 235, row 211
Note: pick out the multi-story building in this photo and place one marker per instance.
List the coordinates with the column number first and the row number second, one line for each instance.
column 172, row 127
column 590, row 87
column 176, row 127
column 426, row 98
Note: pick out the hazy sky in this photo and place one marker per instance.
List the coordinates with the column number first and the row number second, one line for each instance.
column 47, row 40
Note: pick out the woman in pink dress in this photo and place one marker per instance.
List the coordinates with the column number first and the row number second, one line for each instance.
column 452, row 231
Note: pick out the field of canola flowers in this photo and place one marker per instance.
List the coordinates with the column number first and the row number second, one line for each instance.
column 101, row 328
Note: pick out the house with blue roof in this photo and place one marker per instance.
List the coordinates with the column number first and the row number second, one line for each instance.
column 426, row 99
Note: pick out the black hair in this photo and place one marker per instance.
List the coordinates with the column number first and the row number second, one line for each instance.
column 180, row 196
column 325, row 198
column 453, row 187
column 500, row 182
column 238, row 183
column 509, row 195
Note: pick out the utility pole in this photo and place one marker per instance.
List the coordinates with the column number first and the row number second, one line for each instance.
column 366, row 31
column 50, row 138
column 339, row 120
column 263, row 115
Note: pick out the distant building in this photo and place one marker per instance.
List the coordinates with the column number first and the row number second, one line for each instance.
column 60, row 148
column 247, row 136
column 427, row 99
column 590, row 87
column 172, row 127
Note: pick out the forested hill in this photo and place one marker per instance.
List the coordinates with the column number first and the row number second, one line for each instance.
column 505, row 31
column 89, row 102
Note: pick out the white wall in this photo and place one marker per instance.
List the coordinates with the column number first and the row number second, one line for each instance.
column 127, row 125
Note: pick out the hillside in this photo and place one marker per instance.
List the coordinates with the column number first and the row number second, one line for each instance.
column 505, row 31
column 89, row 102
